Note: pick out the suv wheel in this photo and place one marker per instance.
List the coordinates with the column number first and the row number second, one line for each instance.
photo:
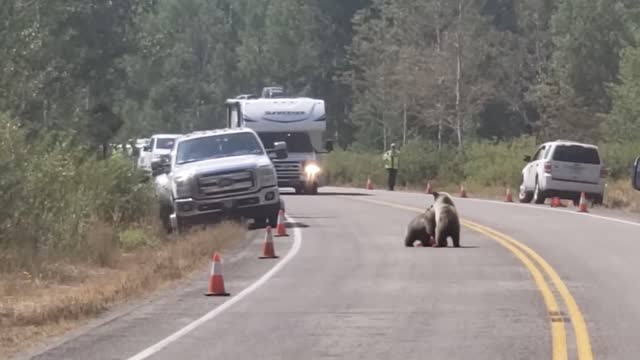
column 538, row 195
column 598, row 199
column 524, row 196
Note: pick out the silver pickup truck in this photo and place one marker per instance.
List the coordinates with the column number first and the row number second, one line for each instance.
column 224, row 172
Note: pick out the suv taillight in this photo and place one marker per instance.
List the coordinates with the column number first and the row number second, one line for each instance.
column 547, row 168
column 604, row 172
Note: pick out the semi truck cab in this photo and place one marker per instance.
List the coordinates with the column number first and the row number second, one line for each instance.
column 300, row 122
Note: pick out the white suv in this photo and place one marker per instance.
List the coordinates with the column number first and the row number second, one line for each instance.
column 564, row 169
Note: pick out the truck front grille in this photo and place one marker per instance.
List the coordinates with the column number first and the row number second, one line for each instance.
column 226, row 183
column 288, row 170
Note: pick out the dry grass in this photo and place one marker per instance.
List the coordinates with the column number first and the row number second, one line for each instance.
column 64, row 295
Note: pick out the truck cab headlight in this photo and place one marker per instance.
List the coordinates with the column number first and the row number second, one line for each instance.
column 312, row 169
column 267, row 175
column 183, row 185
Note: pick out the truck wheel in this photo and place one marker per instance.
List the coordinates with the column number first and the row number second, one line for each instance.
column 311, row 189
column 165, row 213
column 273, row 219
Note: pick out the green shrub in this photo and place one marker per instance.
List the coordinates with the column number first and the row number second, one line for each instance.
column 484, row 163
column 54, row 192
column 134, row 238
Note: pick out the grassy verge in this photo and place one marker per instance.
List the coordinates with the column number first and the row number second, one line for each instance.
column 66, row 293
column 78, row 235
column 486, row 169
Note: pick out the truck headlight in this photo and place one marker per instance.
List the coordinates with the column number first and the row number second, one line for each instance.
column 267, row 175
column 312, row 169
column 183, row 186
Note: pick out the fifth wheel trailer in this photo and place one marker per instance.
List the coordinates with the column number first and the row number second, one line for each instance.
column 300, row 122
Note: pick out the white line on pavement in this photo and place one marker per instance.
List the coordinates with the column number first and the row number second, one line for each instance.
column 297, row 243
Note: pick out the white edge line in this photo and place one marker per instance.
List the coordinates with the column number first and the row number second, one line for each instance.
column 227, row 304
column 540, row 208
column 528, row 206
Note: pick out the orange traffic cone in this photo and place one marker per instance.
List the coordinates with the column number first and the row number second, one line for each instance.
column 463, row 193
column 369, row 183
column 508, row 198
column 281, row 229
column 216, row 281
column 555, row 202
column 583, row 204
column 428, row 190
column 268, row 251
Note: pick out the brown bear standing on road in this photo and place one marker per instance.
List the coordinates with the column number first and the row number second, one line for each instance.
column 421, row 228
column 447, row 223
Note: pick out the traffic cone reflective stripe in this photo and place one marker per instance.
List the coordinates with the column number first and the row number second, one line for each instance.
column 216, row 281
column 463, row 192
column 268, row 250
column 281, row 229
column 583, row 204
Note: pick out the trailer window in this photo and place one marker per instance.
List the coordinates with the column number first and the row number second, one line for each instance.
column 296, row 141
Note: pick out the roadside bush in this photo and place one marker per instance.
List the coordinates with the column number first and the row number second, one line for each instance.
column 483, row 163
column 54, row 194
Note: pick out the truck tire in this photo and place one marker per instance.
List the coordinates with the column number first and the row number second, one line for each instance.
column 311, row 189
column 273, row 219
column 270, row 220
column 165, row 213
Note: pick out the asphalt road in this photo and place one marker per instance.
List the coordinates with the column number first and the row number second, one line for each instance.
column 530, row 282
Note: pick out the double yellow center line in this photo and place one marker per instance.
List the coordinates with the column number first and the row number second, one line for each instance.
column 530, row 259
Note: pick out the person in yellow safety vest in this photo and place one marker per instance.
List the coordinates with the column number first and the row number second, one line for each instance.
column 391, row 164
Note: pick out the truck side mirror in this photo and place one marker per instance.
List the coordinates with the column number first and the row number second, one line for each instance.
column 328, row 145
column 160, row 166
column 527, row 158
column 280, row 150
column 636, row 174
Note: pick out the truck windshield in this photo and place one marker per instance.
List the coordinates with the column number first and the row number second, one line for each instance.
column 296, row 141
column 165, row 143
column 217, row 146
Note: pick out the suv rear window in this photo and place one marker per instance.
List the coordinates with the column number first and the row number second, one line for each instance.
column 576, row 154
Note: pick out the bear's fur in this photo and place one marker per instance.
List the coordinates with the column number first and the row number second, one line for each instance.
column 447, row 222
column 422, row 228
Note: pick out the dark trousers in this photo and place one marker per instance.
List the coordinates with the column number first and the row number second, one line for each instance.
column 392, row 178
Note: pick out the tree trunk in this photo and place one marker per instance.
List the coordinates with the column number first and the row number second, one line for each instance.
column 384, row 137
column 404, row 125
column 458, row 76
column 438, row 50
